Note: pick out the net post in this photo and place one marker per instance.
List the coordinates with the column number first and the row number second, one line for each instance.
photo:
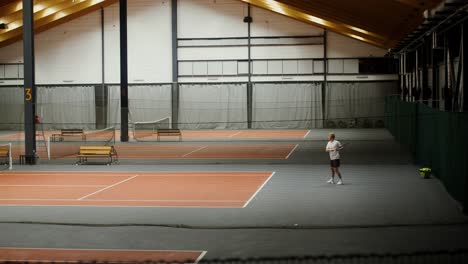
column 10, row 160
column 48, row 148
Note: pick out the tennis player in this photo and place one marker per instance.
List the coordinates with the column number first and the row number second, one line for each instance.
column 333, row 148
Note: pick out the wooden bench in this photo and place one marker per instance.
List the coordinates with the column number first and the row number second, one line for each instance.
column 5, row 153
column 169, row 132
column 97, row 152
column 68, row 132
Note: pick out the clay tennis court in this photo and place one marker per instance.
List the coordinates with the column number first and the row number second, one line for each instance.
column 205, row 151
column 101, row 255
column 176, row 151
column 141, row 189
column 200, row 134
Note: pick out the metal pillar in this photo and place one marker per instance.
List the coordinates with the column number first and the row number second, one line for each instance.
column 29, row 83
column 457, row 72
column 123, row 72
column 249, row 83
column 444, row 92
column 417, row 84
column 425, row 75
column 464, row 61
column 400, row 80
column 175, row 67
column 325, row 72
column 405, row 78
column 100, row 92
column 435, row 79
column 447, row 98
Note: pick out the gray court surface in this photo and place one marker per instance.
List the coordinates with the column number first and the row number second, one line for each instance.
column 384, row 206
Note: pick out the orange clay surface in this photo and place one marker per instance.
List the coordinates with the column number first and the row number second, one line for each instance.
column 172, row 151
column 43, row 255
column 194, row 134
column 152, row 189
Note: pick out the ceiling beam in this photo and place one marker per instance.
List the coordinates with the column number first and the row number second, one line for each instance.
column 328, row 11
column 46, row 19
column 420, row 4
column 341, row 28
column 43, row 11
column 38, row 6
column 11, row 7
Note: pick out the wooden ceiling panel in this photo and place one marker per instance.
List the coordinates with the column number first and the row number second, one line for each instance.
column 382, row 23
column 378, row 22
column 47, row 14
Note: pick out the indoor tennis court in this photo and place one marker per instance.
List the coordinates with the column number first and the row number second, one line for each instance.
column 233, row 131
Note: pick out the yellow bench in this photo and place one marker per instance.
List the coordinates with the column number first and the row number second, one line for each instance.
column 169, row 132
column 5, row 154
column 4, row 151
column 97, row 152
column 68, row 132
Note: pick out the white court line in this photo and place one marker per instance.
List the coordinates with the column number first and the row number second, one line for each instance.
column 110, row 249
column 163, row 200
column 199, row 258
column 291, row 152
column 34, row 199
column 68, row 173
column 120, row 206
column 259, row 189
column 202, row 254
column 168, row 175
column 193, row 151
column 121, row 172
column 307, row 133
column 151, row 174
column 107, row 200
column 110, row 186
column 45, row 185
column 235, row 134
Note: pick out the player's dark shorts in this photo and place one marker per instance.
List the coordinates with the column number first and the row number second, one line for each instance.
column 335, row 163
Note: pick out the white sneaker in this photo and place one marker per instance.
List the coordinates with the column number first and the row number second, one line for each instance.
column 340, row 182
column 331, row 181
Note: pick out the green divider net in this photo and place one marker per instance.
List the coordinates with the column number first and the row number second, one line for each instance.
column 437, row 140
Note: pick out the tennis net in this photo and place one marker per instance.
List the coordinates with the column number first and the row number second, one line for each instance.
column 146, row 130
column 5, row 155
column 69, row 146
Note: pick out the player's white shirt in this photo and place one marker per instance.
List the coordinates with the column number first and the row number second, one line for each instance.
column 336, row 145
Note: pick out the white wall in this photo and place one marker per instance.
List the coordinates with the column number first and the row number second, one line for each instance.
column 149, row 42
column 72, row 51
column 344, row 47
column 211, row 18
column 266, row 23
column 66, row 53
column 12, row 53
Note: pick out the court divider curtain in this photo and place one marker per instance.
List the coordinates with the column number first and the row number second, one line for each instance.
column 66, row 107
column 437, row 140
column 357, row 104
column 213, row 106
column 146, row 103
column 287, row 105
column 11, row 108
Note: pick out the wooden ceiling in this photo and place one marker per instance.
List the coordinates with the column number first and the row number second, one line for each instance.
column 379, row 22
column 47, row 14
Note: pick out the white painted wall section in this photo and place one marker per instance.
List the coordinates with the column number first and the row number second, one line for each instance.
column 343, row 47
